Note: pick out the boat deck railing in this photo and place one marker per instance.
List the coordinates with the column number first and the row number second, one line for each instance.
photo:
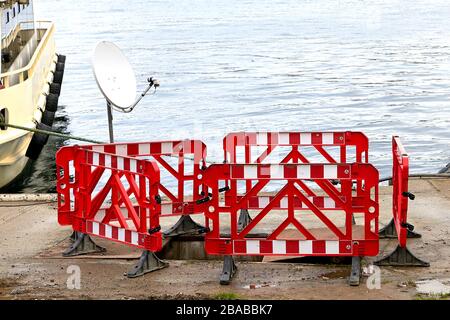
column 26, row 72
column 9, row 38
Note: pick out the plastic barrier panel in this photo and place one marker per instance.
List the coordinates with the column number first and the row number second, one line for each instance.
column 179, row 187
column 107, row 195
column 400, row 176
column 399, row 227
column 114, row 196
column 225, row 238
column 329, row 147
column 297, row 147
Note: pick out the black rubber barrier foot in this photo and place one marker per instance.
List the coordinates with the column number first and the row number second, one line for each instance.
column 229, row 269
column 148, row 262
column 185, row 226
column 355, row 275
column 83, row 244
column 74, row 236
column 389, row 231
column 401, row 257
column 244, row 219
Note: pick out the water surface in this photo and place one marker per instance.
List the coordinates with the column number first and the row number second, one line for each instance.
column 381, row 67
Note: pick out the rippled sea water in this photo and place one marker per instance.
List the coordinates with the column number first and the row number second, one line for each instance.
column 381, row 67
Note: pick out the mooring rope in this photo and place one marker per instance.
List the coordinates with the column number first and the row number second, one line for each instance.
column 70, row 137
column 50, row 133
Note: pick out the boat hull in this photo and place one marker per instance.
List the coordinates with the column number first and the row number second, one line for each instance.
column 23, row 100
column 12, row 159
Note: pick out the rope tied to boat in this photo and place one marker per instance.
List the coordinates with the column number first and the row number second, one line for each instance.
column 63, row 135
column 71, row 137
column 50, row 133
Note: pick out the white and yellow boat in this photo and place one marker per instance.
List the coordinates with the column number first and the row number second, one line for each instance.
column 30, row 83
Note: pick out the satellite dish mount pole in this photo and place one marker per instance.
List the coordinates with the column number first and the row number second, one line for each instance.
column 110, row 122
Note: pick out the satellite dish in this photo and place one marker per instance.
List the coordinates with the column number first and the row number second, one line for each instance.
column 117, row 82
column 114, row 75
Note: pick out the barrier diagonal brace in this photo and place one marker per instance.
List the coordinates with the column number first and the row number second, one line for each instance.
column 148, row 262
column 82, row 244
column 229, row 270
column 185, row 226
column 390, row 232
column 401, row 257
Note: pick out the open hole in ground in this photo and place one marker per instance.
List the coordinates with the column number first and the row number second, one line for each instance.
column 193, row 248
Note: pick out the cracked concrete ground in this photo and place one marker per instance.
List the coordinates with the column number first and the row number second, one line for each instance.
column 31, row 265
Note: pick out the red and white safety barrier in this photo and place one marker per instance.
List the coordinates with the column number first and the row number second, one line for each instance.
column 296, row 140
column 239, row 242
column 400, row 179
column 104, row 205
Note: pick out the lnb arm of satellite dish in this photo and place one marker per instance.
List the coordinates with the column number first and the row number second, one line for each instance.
column 151, row 83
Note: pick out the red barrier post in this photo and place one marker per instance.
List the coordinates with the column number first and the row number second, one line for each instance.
column 399, row 227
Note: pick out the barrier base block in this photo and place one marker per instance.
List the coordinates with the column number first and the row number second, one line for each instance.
column 229, row 269
column 74, row 236
column 185, row 225
column 355, row 274
column 148, row 262
column 82, row 244
column 401, row 257
column 390, row 232
column 244, row 219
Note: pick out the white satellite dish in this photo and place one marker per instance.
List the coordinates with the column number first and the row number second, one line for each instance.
column 116, row 79
column 114, row 75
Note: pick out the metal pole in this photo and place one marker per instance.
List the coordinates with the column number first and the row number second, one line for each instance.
column 110, row 122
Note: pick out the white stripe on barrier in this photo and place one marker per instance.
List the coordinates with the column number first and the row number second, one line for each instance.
column 276, row 171
column 122, row 150
column 95, row 159
column 167, row 147
column 121, row 235
column 304, row 172
column 264, row 201
column 330, row 172
column 250, row 172
column 331, row 247
column 279, row 247
column 283, row 138
column 284, row 203
column 306, row 247
column 108, row 231
column 328, row 203
column 108, row 161
column 261, row 138
column 134, row 238
column 98, row 148
column 95, row 228
column 133, row 165
column 144, row 148
column 328, row 138
column 253, row 246
column 305, row 138
column 120, row 163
